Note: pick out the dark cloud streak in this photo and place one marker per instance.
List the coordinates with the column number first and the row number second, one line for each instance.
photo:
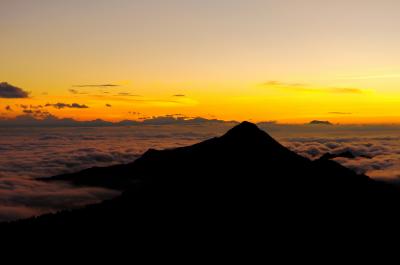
column 66, row 105
column 97, row 85
column 10, row 91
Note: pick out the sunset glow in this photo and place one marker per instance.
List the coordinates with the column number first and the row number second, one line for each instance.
column 287, row 61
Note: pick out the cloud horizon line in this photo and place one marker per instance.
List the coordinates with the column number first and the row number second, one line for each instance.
column 97, row 85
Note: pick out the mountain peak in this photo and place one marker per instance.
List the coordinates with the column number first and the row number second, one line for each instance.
column 247, row 131
column 245, row 126
column 223, row 179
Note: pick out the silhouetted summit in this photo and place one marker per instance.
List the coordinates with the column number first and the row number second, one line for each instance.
column 245, row 130
column 241, row 180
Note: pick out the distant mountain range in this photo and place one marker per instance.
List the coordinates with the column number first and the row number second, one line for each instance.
column 317, row 122
column 53, row 121
column 241, row 181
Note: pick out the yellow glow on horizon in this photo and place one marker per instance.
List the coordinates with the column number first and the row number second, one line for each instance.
column 232, row 60
column 285, row 102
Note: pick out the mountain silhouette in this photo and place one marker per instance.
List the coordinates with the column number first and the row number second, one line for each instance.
column 244, row 180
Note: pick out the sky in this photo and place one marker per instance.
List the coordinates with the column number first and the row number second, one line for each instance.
column 283, row 60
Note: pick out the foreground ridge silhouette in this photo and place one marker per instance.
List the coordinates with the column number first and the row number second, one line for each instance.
column 243, row 180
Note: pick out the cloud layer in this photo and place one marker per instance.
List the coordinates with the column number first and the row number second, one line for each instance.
column 378, row 157
column 46, row 151
column 43, row 152
column 22, row 197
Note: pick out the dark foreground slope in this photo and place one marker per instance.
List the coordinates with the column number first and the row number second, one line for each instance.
column 241, row 181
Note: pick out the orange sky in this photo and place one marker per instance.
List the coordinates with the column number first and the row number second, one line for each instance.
column 243, row 60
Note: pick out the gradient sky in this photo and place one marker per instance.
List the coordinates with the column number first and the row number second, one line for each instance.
column 283, row 60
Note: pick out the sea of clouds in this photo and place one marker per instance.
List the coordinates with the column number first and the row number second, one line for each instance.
column 29, row 153
column 376, row 157
column 376, row 148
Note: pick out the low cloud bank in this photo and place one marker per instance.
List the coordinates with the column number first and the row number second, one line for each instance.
column 46, row 151
column 43, row 152
column 378, row 157
column 22, row 197
column 38, row 118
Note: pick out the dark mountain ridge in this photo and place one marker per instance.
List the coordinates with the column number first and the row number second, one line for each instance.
column 240, row 180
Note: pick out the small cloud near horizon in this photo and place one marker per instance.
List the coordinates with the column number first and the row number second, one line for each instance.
column 97, row 85
column 37, row 113
column 9, row 91
column 347, row 90
column 65, row 105
column 279, row 83
column 318, row 122
column 179, row 95
column 340, row 113
column 75, row 92
column 127, row 94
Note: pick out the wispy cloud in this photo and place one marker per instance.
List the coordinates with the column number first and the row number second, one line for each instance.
column 66, row 105
column 127, row 94
column 10, row 91
column 179, row 95
column 346, row 90
column 283, row 84
column 140, row 99
column 97, row 85
column 340, row 113
column 24, row 106
column 40, row 114
column 301, row 87
column 76, row 92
